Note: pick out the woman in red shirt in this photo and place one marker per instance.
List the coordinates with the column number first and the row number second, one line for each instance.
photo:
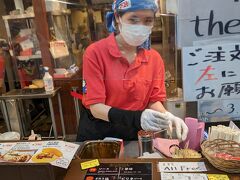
column 123, row 78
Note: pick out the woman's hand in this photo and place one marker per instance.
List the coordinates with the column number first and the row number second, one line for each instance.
column 181, row 127
column 153, row 120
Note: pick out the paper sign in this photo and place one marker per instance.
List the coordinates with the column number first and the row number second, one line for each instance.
column 217, row 177
column 90, row 164
column 58, row 49
column 57, row 153
column 183, row 176
column 182, row 166
column 205, row 19
column 211, row 72
column 219, row 110
column 62, row 151
column 4, row 148
column 233, row 126
column 27, row 44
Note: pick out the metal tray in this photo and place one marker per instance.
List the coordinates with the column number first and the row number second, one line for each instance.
column 99, row 149
column 32, row 90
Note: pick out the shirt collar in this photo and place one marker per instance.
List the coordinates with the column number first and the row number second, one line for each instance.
column 115, row 52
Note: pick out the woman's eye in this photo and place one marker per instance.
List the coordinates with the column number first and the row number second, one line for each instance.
column 149, row 21
column 134, row 21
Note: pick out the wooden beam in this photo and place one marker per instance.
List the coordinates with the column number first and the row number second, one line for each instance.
column 42, row 31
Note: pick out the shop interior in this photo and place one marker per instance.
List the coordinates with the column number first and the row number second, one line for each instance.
column 77, row 24
column 35, row 34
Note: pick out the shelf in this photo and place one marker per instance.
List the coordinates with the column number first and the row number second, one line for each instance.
column 61, row 12
column 20, row 16
column 26, row 58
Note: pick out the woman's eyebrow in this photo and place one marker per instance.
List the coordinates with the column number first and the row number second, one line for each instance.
column 138, row 17
column 149, row 18
column 134, row 16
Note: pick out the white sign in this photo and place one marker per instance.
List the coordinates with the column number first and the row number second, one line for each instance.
column 182, row 166
column 219, row 110
column 183, row 176
column 211, row 72
column 205, row 19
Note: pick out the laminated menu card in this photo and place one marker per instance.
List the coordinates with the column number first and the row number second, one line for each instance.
column 57, row 153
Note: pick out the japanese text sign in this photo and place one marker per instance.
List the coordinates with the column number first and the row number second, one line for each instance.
column 211, row 72
column 205, row 19
column 182, row 166
column 181, row 176
column 219, row 110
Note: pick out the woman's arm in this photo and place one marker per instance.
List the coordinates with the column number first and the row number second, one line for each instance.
column 116, row 116
column 100, row 111
column 157, row 106
column 148, row 119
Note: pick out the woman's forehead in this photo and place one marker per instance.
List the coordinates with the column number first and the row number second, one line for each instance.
column 140, row 14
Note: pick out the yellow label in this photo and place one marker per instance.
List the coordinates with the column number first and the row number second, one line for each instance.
column 89, row 164
column 217, row 177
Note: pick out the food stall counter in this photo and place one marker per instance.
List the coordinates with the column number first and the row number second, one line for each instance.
column 75, row 172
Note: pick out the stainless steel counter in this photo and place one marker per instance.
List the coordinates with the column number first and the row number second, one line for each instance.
column 18, row 96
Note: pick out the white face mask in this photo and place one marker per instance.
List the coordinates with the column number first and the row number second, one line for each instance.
column 135, row 35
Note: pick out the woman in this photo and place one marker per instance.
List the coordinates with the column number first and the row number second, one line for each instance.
column 123, row 79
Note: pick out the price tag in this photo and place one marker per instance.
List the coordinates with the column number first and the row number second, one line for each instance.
column 217, row 177
column 89, row 164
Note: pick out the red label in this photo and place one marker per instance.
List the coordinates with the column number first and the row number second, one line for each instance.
column 125, row 4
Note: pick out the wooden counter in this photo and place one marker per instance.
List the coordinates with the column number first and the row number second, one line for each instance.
column 75, row 172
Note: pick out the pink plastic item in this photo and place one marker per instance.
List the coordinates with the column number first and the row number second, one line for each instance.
column 165, row 145
column 195, row 134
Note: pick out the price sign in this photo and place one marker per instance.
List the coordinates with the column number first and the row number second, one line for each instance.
column 90, row 164
column 217, row 177
column 182, row 176
column 182, row 166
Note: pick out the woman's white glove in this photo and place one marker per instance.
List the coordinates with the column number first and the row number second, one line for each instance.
column 181, row 127
column 153, row 120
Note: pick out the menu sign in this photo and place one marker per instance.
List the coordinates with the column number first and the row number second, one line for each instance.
column 182, row 166
column 124, row 171
column 180, row 176
column 57, row 153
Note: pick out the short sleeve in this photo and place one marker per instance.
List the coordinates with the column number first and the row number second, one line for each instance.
column 93, row 79
column 159, row 91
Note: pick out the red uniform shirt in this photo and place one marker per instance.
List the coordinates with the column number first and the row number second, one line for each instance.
column 108, row 78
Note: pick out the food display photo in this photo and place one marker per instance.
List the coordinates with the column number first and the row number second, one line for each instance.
column 18, row 156
column 57, row 153
column 47, row 155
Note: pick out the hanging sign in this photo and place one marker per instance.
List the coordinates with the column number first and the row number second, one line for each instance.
column 205, row 19
column 219, row 110
column 211, row 72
